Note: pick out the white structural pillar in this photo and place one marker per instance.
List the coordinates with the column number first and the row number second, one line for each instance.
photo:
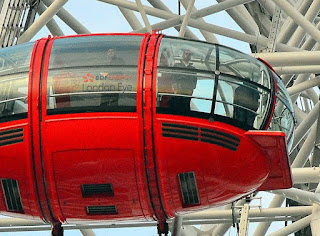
column 297, row 69
column 299, row 19
column 294, row 227
column 295, row 89
column 186, row 18
column 177, row 226
column 315, row 220
column 87, row 232
column 302, row 58
column 306, row 175
column 67, row 18
column 53, row 27
column 315, row 217
column 144, row 16
column 42, row 21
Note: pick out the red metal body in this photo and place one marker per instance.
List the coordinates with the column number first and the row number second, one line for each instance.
column 141, row 154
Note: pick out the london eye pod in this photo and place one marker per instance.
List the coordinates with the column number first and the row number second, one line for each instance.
column 137, row 127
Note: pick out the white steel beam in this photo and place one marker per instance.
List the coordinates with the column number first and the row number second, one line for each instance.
column 42, row 21
column 282, row 70
column 186, row 18
column 305, row 150
column 242, row 17
column 290, row 58
column 299, row 34
column 268, row 5
column 207, row 35
column 258, row 40
column 177, row 226
column 299, row 195
column 53, row 27
column 294, row 227
column 67, row 18
column 131, row 18
column 159, row 5
column 299, row 19
column 302, row 130
column 87, row 232
column 315, row 220
column 289, row 25
column 306, row 175
column 295, row 89
column 253, row 213
column 144, row 16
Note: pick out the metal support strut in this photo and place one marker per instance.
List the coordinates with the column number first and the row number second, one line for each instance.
column 57, row 230
column 163, row 228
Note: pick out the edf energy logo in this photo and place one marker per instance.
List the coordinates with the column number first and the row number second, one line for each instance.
column 88, row 77
column 106, row 82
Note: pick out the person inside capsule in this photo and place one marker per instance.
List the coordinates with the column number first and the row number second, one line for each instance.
column 112, row 99
column 246, row 102
column 183, row 84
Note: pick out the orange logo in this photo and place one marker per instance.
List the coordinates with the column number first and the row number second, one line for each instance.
column 88, row 77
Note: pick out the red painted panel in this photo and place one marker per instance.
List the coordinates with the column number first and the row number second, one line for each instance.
column 222, row 175
column 73, row 168
column 16, row 164
column 77, row 145
column 274, row 145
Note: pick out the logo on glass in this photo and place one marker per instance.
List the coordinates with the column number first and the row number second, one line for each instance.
column 88, row 78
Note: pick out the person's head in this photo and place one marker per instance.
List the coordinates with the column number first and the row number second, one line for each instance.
column 163, row 60
column 184, row 86
column 186, row 56
column 111, row 54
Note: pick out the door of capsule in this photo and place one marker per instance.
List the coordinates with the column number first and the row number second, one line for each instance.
column 91, row 127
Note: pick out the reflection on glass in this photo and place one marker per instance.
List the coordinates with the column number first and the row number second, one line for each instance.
column 101, row 89
column 283, row 118
column 93, row 73
column 189, row 71
column 13, row 94
column 14, row 79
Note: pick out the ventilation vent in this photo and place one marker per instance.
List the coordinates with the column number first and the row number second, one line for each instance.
column 189, row 189
column 220, row 138
column 12, row 195
column 89, row 190
column 180, row 131
column 102, row 210
column 12, row 136
column 211, row 136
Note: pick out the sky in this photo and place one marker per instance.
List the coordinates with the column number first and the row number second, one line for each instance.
column 99, row 17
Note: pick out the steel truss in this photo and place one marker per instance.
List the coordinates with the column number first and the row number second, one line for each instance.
column 283, row 32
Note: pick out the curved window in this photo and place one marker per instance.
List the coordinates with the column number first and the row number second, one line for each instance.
column 211, row 81
column 93, row 74
column 14, row 80
column 283, row 115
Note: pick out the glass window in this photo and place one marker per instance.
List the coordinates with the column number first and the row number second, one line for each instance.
column 283, row 116
column 193, row 80
column 93, row 74
column 235, row 63
column 181, row 53
column 14, row 80
column 241, row 101
column 183, row 85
